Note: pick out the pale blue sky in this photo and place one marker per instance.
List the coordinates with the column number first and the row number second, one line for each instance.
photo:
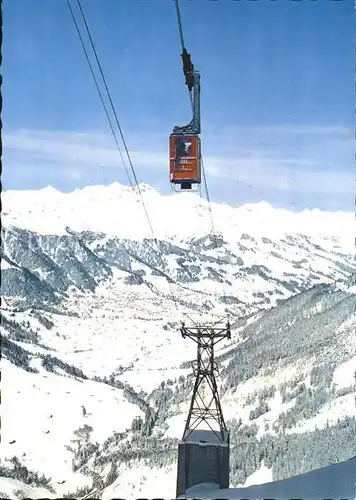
column 277, row 96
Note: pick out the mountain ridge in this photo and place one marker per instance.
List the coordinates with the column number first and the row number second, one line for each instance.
column 77, row 257
column 83, row 209
column 96, row 316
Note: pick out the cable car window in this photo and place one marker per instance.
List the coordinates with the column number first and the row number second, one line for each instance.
column 183, row 150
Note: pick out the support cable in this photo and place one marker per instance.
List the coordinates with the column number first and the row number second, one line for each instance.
column 98, row 89
column 119, row 127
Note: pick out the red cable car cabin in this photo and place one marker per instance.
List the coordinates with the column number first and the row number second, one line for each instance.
column 185, row 160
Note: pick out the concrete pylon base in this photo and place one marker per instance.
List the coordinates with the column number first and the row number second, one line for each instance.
column 202, row 458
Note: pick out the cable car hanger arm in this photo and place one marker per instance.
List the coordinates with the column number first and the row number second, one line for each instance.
column 192, row 80
column 193, row 126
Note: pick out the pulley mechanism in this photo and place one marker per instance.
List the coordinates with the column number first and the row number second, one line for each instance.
column 188, row 69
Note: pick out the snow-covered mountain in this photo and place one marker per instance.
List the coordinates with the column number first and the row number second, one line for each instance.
column 92, row 302
column 55, row 241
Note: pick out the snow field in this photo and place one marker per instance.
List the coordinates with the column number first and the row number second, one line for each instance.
column 11, row 488
column 142, row 481
column 261, row 476
column 41, row 412
column 344, row 375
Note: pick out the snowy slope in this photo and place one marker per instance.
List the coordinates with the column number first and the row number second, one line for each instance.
column 12, row 488
column 53, row 406
column 132, row 343
column 335, row 481
column 96, row 302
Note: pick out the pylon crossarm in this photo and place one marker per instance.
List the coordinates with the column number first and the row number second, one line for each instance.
column 219, row 340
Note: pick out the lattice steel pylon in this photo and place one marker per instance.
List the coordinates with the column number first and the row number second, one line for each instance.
column 205, row 367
